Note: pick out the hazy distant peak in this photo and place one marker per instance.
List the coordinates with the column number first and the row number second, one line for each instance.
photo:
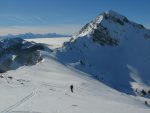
column 32, row 35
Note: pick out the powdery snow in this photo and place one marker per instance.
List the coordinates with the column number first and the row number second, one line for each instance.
column 44, row 88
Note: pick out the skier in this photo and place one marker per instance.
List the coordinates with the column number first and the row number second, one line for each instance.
column 146, row 103
column 71, row 88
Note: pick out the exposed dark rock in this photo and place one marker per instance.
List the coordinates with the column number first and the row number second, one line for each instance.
column 101, row 37
column 126, row 20
column 140, row 26
column 17, row 52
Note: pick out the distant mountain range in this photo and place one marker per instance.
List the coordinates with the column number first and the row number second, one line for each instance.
column 32, row 35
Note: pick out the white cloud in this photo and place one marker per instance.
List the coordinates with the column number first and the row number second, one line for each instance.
column 63, row 29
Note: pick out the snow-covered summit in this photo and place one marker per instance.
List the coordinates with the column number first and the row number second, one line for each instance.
column 107, row 21
column 112, row 13
column 113, row 49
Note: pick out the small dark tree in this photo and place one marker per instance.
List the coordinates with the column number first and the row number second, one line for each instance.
column 143, row 92
column 148, row 92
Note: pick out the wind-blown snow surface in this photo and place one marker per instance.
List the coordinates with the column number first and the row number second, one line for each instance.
column 44, row 88
column 112, row 49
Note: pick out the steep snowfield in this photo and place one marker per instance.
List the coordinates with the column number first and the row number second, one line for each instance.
column 44, row 88
column 114, row 50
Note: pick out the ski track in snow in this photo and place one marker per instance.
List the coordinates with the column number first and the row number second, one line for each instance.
column 50, row 92
column 7, row 110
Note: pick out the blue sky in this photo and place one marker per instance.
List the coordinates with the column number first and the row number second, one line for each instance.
column 64, row 16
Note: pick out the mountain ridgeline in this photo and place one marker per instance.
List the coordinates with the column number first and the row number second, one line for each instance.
column 16, row 52
column 112, row 49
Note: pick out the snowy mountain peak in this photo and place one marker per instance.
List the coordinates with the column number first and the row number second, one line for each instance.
column 112, row 13
column 111, row 23
column 113, row 49
column 108, row 15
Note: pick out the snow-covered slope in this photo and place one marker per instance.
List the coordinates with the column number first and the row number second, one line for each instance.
column 45, row 88
column 114, row 50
